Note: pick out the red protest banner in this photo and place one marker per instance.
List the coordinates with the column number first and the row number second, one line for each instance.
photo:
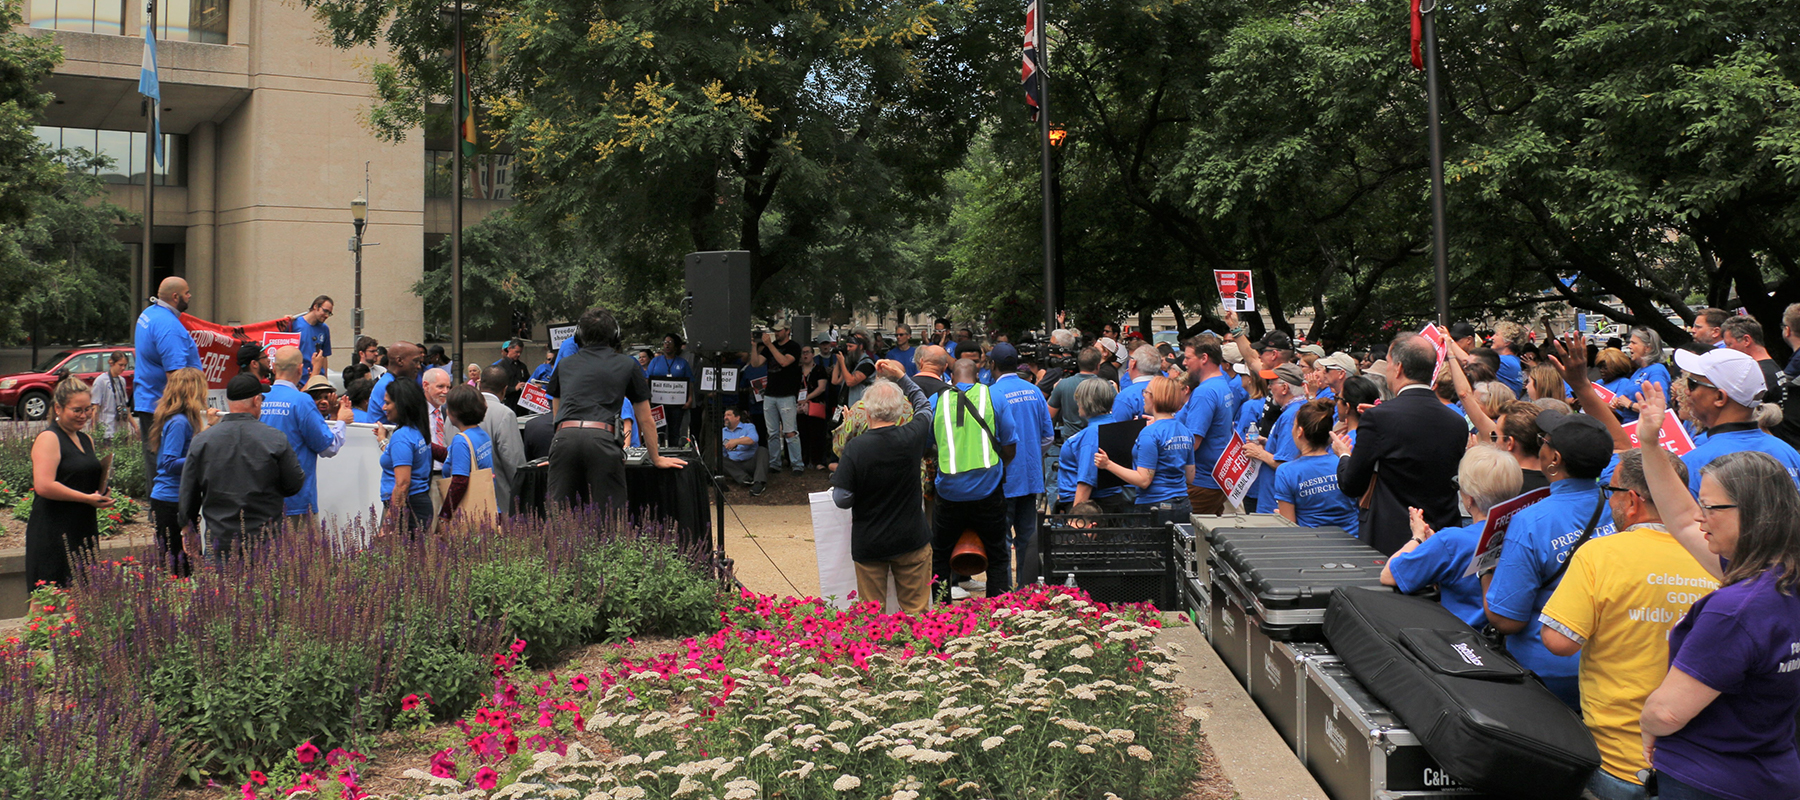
column 1606, row 395
column 1235, row 289
column 1236, row 471
column 218, row 344
column 1439, row 341
column 1672, row 437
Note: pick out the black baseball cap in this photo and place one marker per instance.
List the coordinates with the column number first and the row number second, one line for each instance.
column 243, row 386
column 1583, row 441
column 1276, row 340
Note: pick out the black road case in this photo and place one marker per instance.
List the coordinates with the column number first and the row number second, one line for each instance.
column 1358, row 750
column 1285, row 582
column 1278, row 683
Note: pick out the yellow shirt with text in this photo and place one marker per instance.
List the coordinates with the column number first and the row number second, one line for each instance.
column 1619, row 599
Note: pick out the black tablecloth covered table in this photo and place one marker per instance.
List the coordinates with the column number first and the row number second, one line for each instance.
column 680, row 495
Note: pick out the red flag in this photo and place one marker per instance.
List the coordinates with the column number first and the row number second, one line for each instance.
column 1418, row 34
column 1028, row 73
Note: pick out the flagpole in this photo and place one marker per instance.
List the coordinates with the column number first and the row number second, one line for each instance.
column 1043, row 73
column 1440, row 237
column 456, row 207
column 146, row 269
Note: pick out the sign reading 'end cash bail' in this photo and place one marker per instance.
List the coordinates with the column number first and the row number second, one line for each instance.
column 1235, row 289
column 1235, row 471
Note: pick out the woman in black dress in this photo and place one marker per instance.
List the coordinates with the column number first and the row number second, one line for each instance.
column 65, row 475
column 815, row 429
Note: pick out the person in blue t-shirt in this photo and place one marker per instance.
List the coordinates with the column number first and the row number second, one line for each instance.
column 1143, row 365
column 1277, row 444
column 1645, row 349
column 1486, row 477
column 1539, row 540
column 1209, row 416
column 1724, row 388
column 1163, row 457
column 1028, row 413
column 162, row 345
column 315, row 337
column 470, row 449
column 180, row 414
column 1615, row 372
column 1509, row 339
column 1077, row 477
column 1306, row 488
column 903, row 349
column 542, row 372
column 404, row 362
column 669, row 365
column 1249, row 418
column 406, row 457
column 289, row 410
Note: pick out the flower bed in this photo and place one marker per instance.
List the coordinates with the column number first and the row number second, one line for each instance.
column 1041, row 693
column 298, row 642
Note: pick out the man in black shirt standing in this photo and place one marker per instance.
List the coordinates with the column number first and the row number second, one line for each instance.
column 781, row 398
column 878, row 480
column 587, row 458
column 516, row 374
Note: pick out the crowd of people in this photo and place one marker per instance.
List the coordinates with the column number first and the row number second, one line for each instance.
column 953, row 443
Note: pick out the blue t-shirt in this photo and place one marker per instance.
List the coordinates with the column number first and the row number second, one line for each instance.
column 1743, row 641
column 1250, row 412
column 163, row 345
column 1537, row 543
column 1441, row 561
column 543, row 371
column 905, row 357
column 1511, row 373
column 1620, row 385
column 976, row 484
column 1311, row 484
column 313, row 339
column 1655, row 373
column 1166, row 445
column 1280, row 445
column 362, row 415
column 377, row 412
column 1129, row 404
column 1028, row 413
column 291, row 411
column 1755, row 439
column 1075, row 462
column 459, row 462
column 1209, row 416
column 741, row 452
column 171, row 456
column 1238, row 393
column 406, row 447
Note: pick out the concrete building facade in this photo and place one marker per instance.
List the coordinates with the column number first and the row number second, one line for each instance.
column 265, row 149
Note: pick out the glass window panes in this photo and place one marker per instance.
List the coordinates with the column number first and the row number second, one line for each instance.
column 84, row 16
column 126, row 149
column 117, row 145
column 84, row 363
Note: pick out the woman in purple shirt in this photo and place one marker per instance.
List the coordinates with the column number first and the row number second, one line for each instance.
column 1721, row 725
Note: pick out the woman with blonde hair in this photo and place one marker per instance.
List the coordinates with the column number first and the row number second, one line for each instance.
column 1163, row 456
column 66, row 477
column 180, row 414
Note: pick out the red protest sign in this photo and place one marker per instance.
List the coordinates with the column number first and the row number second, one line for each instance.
column 275, row 340
column 1235, row 289
column 534, row 397
column 656, row 416
column 1236, row 471
column 1493, row 533
column 1606, row 395
column 1673, row 437
column 1439, row 341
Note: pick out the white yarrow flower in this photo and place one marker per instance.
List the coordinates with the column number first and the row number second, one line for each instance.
column 1139, row 752
column 1084, row 749
column 1083, row 651
column 992, row 742
column 845, row 783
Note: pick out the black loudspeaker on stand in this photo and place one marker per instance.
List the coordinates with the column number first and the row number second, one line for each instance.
column 717, row 322
column 718, row 312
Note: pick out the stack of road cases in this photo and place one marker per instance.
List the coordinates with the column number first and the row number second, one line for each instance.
column 1278, row 685
column 1273, row 584
column 1115, row 558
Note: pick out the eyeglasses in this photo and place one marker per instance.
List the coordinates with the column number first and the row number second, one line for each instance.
column 1493, row 436
column 79, row 409
column 1611, row 489
column 1704, row 508
column 1693, row 381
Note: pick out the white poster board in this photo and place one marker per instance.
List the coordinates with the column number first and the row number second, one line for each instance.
column 709, row 378
column 668, row 392
column 350, row 482
column 560, row 334
column 831, row 548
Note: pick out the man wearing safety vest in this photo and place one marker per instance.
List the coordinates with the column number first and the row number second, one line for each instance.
column 974, row 442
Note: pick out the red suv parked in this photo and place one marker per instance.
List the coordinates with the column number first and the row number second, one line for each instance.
column 27, row 394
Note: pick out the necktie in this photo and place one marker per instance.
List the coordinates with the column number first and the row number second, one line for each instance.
column 437, row 426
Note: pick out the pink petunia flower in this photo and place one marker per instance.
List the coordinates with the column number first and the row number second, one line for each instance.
column 579, row 683
column 306, row 753
column 258, row 778
column 486, row 778
column 518, row 646
column 409, row 702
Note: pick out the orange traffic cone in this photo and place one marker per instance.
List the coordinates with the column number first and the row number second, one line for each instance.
column 969, row 557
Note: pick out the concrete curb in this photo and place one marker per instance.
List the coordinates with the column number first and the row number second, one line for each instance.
column 1251, row 753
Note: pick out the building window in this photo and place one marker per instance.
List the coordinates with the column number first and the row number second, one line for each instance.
column 177, row 20
column 490, row 175
column 126, row 149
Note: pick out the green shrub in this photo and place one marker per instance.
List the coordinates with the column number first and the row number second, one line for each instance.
column 127, row 451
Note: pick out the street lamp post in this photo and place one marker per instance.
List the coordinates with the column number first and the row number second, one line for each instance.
column 359, row 216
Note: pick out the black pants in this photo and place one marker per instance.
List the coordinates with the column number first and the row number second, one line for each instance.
column 587, row 466
column 169, row 525
column 674, row 415
column 144, row 420
column 987, row 517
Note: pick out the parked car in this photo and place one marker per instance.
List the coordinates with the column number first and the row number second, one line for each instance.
column 27, row 394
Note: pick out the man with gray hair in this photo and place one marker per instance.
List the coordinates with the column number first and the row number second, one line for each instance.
column 1407, row 450
column 437, row 390
column 1143, row 365
column 878, row 480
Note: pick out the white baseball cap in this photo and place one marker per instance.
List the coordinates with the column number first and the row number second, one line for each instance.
column 1730, row 371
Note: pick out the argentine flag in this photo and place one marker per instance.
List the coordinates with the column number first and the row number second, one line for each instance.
column 149, row 86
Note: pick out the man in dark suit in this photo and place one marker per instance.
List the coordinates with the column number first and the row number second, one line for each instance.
column 1407, row 450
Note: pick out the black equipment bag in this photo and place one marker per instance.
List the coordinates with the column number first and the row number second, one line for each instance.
column 1478, row 713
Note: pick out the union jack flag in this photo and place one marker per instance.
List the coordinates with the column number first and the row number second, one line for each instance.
column 1029, row 75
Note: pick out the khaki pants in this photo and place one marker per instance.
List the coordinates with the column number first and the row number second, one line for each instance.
column 1206, row 501
column 912, row 580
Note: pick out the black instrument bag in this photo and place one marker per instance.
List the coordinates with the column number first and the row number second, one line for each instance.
column 1489, row 724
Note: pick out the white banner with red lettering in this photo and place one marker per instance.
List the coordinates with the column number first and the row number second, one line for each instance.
column 1236, row 471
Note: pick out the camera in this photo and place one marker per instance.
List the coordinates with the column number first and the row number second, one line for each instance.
column 1061, row 358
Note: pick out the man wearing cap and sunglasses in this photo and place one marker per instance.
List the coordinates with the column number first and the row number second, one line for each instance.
column 1724, row 387
column 781, row 397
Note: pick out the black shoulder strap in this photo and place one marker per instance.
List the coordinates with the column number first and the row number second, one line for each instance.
column 1586, row 534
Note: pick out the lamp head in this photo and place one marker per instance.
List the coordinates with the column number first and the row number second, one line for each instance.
column 359, row 210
